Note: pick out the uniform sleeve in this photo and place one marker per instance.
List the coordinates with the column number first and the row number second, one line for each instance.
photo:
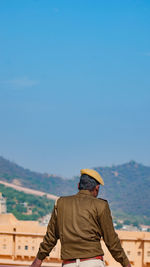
column 111, row 238
column 50, row 238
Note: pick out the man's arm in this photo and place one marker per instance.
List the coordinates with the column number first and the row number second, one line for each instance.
column 111, row 238
column 49, row 240
column 36, row 263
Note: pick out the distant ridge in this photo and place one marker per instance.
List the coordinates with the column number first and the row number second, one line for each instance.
column 127, row 186
column 12, row 173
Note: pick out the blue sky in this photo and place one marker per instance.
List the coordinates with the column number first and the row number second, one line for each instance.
column 74, row 83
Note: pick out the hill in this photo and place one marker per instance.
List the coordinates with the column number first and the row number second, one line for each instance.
column 127, row 186
column 12, row 173
column 26, row 206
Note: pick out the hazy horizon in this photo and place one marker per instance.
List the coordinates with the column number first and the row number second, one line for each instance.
column 78, row 174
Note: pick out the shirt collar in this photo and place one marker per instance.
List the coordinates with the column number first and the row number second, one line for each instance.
column 84, row 192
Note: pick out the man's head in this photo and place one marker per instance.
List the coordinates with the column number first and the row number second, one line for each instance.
column 90, row 180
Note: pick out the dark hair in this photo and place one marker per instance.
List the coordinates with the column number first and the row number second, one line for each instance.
column 87, row 182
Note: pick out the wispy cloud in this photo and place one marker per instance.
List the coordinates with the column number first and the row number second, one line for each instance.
column 147, row 54
column 22, row 82
column 56, row 10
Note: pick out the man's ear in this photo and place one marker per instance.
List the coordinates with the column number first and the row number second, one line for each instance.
column 97, row 187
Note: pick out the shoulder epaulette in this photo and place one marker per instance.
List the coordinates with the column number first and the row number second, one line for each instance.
column 103, row 199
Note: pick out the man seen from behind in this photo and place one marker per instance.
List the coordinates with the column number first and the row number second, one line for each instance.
column 80, row 221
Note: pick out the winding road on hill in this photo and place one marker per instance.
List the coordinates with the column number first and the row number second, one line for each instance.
column 29, row 191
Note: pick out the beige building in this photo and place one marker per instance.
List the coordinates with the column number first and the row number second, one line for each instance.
column 3, row 208
column 136, row 246
column 19, row 243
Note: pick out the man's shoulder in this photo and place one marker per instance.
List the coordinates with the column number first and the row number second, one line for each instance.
column 102, row 199
column 101, row 205
column 65, row 198
column 101, row 202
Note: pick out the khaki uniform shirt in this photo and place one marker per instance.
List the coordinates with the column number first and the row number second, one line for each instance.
column 79, row 221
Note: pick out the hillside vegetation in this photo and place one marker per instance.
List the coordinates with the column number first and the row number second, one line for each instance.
column 26, row 206
column 127, row 186
column 12, row 173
